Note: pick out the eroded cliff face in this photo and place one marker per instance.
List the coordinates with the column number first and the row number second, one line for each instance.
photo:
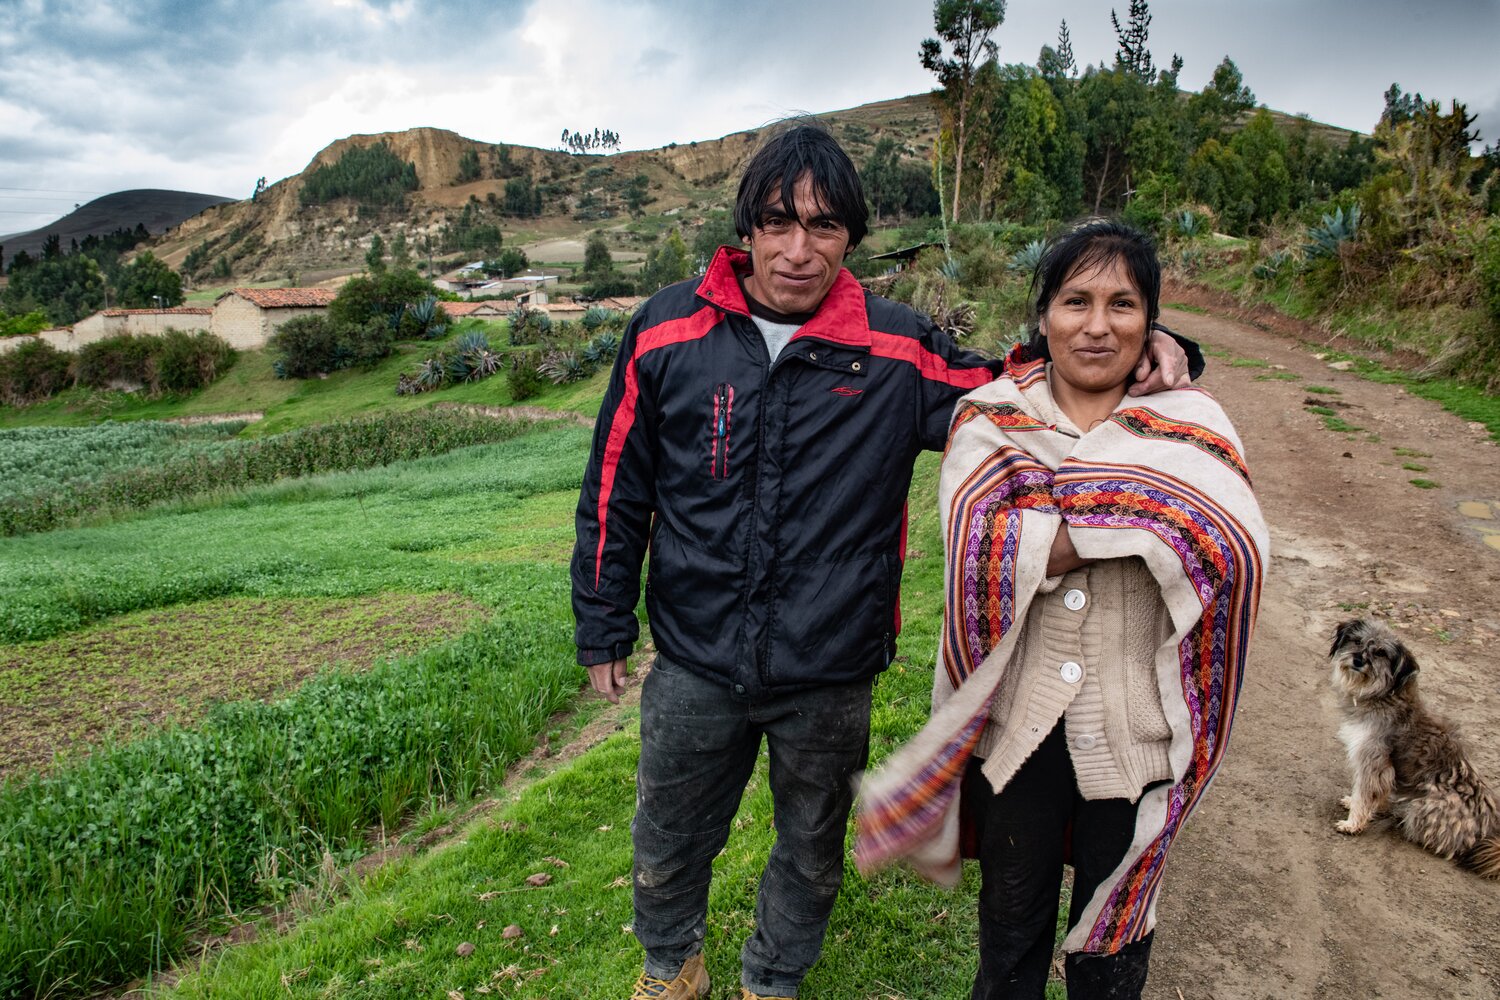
column 275, row 236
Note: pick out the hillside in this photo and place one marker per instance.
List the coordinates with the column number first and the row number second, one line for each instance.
column 157, row 210
column 276, row 235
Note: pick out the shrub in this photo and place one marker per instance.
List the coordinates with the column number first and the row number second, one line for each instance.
column 1487, row 263
column 309, row 346
column 181, row 362
column 524, row 380
column 607, row 286
column 32, row 372
column 25, row 324
column 112, row 360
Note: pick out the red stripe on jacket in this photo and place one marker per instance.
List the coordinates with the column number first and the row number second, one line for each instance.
column 931, row 366
column 674, row 331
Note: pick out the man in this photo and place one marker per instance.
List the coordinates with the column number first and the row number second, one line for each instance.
column 758, row 436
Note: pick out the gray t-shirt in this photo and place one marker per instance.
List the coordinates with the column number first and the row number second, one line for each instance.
column 776, row 334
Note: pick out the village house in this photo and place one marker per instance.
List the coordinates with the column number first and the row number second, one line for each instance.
column 247, row 317
column 479, row 310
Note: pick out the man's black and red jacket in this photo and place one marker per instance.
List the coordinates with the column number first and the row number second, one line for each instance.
column 771, row 496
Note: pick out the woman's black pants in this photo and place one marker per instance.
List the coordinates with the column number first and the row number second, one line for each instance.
column 1022, row 833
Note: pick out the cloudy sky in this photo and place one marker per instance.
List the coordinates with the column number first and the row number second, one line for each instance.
column 207, row 95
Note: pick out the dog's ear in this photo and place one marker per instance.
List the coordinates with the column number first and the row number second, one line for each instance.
column 1406, row 670
column 1342, row 634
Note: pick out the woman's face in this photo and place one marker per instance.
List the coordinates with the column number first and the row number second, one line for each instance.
column 1096, row 328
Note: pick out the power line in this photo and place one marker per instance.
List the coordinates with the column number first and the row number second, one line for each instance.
column 51, row 190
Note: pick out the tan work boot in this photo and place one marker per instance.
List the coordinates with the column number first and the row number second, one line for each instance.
column 745, row 994
column 691, row 983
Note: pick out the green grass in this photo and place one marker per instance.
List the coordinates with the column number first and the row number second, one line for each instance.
column 1412, row 453
column 1322, row 411
column 46, row 459
column 1185, row 307
column 1278, row 377
column 1413, row 467
column 373, row 440
column 108, row 861
column 1338, row 425
column 134, row 673
column 1425, row 484
column 396, row 933
column 1322, row 390
column 1249, row 363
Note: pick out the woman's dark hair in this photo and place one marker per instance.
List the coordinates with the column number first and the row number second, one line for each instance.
column 802, row 148
column 1088, row 247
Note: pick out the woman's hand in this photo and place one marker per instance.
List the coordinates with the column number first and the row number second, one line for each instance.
column 1163, row 366
column 1063, row 556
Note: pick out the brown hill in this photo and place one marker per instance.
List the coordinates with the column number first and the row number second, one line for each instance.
column 276, row 236
column 157, row 210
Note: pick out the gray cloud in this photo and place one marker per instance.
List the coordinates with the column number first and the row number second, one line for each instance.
column 208, row 95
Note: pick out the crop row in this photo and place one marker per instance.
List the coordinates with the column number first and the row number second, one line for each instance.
column 36, row 460
column 107, row 864
column 352, row 444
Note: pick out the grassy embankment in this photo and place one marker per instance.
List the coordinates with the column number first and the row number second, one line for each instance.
column 1410, row 347
column 250, row 386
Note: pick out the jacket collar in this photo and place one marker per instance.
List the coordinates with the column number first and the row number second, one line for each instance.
column 840, row 319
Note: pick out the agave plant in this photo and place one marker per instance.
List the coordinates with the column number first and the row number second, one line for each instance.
column 432, row 373
column 472, row 340
column 1028, row 258
column 1190, row 223
column 1269, row 268
column 950, row 269
column 1324, row 240
column 597, row 316
column 562, row 366
column 431, row 321
column 602, row 349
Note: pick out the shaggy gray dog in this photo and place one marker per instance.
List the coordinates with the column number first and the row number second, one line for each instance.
column 1405, row 758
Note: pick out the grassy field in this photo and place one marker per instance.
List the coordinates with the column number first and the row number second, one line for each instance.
column 403, row 931
column 454, row 565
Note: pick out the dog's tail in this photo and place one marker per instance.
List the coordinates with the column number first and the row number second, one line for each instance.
column 1483, row 858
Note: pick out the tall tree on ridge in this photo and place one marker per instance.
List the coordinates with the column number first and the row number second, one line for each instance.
column 966, row 25
column 1133, row 54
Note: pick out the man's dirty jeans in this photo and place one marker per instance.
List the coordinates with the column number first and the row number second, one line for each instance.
column 698, row 749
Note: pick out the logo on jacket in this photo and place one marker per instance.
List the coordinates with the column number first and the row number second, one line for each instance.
column 846, row 390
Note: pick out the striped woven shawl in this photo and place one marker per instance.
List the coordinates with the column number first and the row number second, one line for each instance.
column 1162, row 479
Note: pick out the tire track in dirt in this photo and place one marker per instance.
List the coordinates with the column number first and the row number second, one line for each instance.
column 1264, row 899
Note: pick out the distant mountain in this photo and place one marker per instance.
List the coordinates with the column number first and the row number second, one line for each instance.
column 158, row 211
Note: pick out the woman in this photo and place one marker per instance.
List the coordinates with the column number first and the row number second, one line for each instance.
column 1104, row 565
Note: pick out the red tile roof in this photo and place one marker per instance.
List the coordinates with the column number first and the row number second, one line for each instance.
column 285, row 298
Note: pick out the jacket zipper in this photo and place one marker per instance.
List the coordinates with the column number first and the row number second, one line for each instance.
column 718, row 465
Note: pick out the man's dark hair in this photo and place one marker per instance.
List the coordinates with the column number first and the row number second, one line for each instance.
column 781, row 161
column 1088, row 247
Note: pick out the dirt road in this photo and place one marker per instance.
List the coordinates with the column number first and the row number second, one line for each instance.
column 1263, row 898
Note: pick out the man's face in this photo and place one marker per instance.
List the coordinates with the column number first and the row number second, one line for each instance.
column 796, row 259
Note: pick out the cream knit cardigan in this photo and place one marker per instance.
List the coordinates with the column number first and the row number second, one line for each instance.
column 1162, row 479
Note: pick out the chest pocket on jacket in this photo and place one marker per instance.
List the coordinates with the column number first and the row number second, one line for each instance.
column 720, row 427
